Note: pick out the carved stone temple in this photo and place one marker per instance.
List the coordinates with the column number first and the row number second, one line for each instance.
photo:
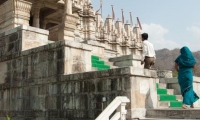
column 59, row 60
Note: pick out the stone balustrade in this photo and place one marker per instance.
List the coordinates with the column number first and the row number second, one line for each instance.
column 118, row 103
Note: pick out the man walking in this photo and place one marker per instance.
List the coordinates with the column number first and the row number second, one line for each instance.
column 148, row 53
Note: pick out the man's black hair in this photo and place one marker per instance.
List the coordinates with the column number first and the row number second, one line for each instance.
column 145, row 36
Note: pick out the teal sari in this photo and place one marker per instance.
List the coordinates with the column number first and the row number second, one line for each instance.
column 185, row 62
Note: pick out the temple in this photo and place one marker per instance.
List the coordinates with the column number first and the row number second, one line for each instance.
column 73, row 20
column 59, row 60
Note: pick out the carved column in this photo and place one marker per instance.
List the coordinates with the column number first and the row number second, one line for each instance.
column 68, row 6
column 132, row 42
column 126, row 41
column 88, row 21
column 138, row 42
column 14, row 13
column 45, row 22
column 36, row 17
column 119, row 37
column 69, row 23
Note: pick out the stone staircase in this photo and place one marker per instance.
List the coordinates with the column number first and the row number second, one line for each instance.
column 166, row 97
column 101, row 63
column 169, row 103
column 169, row 106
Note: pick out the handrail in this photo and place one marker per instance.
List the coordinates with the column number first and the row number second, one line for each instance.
column 118, row 103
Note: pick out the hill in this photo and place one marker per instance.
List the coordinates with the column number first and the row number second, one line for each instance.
column 165, row 60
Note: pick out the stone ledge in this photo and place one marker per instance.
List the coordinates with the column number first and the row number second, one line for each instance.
column 125, row 57
column 143, row 72
column 58, row 44
column 175, row 80
column 173, row 113
column 78, row 45
column 40, row 113
column 168, row 80
column 24, row 27
column 94, row 43
column 111, row 73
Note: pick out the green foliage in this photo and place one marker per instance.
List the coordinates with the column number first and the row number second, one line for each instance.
column 8, row 118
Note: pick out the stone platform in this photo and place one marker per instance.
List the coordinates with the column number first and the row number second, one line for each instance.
column 173, row 113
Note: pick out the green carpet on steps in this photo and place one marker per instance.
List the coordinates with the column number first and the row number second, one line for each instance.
column 163, row 96
column 175, row 103
column 167, row 97
column 161, row 91
column 99, row 64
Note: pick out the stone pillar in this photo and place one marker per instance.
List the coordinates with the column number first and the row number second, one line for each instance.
column 117, row 45
column 14, row 13
column 138, row 42
column 68, row 6
column 69, row 23
column 126, row 40
column 45, row 22
column 36, row 17
column 88, row 21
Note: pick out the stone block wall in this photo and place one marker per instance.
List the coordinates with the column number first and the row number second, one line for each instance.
column 73, row 97
column 33, row 64
column 21, row 38
column 10, row 43
column 54, row 82
column 76, row 96
column 77, row 57
column 62, row 57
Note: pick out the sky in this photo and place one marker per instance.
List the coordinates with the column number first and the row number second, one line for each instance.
column 169, row 23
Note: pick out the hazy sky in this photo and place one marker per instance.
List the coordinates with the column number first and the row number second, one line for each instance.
column 170, row 23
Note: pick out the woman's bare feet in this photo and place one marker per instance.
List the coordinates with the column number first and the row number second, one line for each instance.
column 192, row 106
column 184, row 106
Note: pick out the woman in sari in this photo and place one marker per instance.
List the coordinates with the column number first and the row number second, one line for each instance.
column 184, row 64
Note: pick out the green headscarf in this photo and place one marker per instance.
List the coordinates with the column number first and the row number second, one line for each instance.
column 186, row 58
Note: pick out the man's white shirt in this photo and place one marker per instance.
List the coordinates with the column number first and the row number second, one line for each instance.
column 148, row 50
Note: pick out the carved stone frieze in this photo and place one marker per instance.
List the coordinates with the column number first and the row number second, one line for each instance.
column 14, row 13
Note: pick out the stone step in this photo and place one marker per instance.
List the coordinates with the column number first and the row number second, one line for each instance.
column 163, row 104
column 160, row 119
column 101, row 63
column 165, row 91
column 173, row 113
column 106, row 60
column 162, row 85
column 93, row 57
column 166, row 97
column 171, row 97
column 179, row 97
column 169, row 104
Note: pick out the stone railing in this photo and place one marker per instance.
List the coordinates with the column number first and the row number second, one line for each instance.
column 53, row 33
column 164, row 73
column 118, row 103
column 14, row 13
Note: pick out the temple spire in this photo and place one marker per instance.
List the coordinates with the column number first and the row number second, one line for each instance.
column 113, row 13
